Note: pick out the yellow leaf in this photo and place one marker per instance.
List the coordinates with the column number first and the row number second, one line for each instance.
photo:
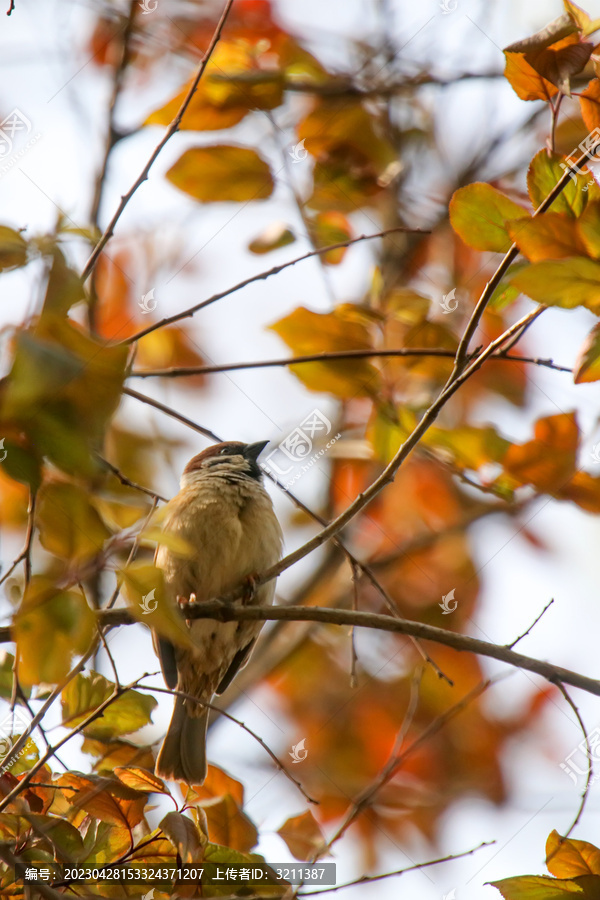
column 69, row 525
column 222, row 172
column 147, row 601
column 50, row 628
column 548, row 236
column 568, row 858
column 587, row 364
column 141, row 779
column 562, row 282
column 307, row 332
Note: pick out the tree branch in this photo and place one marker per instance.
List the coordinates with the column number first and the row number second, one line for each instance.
column 173, row 127
column 223, row 611
column 179, row 371
column 187, row 313
column 461, row 353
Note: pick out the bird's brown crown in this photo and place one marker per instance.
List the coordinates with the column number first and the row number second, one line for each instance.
column 231, row 453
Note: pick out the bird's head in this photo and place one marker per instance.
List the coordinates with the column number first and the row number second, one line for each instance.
column 229, row 458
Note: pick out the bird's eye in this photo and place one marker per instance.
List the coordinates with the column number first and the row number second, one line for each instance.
column 223, row 451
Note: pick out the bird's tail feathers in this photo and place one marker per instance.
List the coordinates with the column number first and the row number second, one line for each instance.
column 183, row 754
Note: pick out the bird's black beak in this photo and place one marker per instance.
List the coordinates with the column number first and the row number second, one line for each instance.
column 252, row 451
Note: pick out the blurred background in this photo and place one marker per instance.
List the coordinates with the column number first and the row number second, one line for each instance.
column 425, row 109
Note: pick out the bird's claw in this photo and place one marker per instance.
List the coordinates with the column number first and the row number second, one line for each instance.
column 184, row 602
column 249, row 587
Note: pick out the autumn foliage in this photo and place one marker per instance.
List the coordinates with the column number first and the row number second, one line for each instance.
column 79, row 482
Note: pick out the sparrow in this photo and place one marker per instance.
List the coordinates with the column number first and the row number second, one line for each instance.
column 226, row 516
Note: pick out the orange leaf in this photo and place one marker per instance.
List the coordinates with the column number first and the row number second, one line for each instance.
column 525, row 81
column 549, row 459
column 568, row 858
column 302, row 835
column 590, row 104
column 549, row 236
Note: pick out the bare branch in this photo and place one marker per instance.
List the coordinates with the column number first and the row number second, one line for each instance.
column 222, row 712
column 187, row 313
column 397, row 760
column 180, row 371
column 224, row 611
column 590, row 771
column 532, row 626
column 173, row 127
column 126, row 481
column 367, row 879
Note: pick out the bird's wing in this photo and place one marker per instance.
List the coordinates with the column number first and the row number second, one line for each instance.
column 239, row 660
column 166, row 654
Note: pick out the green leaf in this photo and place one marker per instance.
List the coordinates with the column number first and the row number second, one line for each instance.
column 129, row 712
column 222, row 172
column 13, row 249
column 215, row 853
column 50, row 627
column 275, row 236
column 544, row 174
column 479, row 215
column 562, row 282
column 65, row 287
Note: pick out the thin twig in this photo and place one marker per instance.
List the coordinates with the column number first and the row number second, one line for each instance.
column 187, row 313
column 486, row 296
column 173, row 127
column 531, row 627
column 222, row 712
column 126, row 481
column 367, row 879
column 397, row 760
column 180, row 371
column 25, row 554
column 590, row 772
